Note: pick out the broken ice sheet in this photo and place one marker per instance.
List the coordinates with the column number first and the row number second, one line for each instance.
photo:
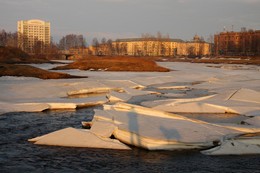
column 71, row 137
column 237, row 145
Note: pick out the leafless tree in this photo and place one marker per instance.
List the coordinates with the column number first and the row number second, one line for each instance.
column 103, row 40
column 191, row 51
column 210, row 40
column 109, row 47
column 95, row 44
column 8, row 38
column 72, row 41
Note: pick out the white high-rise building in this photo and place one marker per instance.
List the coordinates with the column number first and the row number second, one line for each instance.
column 33, row 35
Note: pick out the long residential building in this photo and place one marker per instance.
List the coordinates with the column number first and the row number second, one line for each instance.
column 244, row 43
column 155, row 47
column 33, row 35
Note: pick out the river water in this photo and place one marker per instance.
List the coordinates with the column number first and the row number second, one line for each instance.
column 19, row 155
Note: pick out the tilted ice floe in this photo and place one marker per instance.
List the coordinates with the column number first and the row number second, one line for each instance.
column 152, row 130
column 71, row 137
column 157, row 130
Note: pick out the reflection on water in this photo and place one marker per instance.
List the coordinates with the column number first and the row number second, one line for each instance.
column 18, row 155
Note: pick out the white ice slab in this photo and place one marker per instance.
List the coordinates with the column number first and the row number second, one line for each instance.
column 33, row 90
column 191, row 107
column 241, row 101
column 162, row 131
column 126, row 94
column 246, row 95
column 255, row 121
column 103, row 129
column 118, row 97
column 70, row 137
column 22, row 107
column 90, row 91
column 241, row 127
column 241, row 145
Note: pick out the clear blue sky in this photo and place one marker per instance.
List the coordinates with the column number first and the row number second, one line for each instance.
column 130, row 18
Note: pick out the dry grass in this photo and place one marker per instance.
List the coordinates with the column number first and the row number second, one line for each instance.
column 11, row 55
column 29, row 71
column 119, row 63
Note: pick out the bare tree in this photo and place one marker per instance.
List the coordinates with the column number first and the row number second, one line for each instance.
column 95, row 44
column 109, row 47
column 201, row 49
column 8, row 38
column 103, row 40
column 38, row 47
column 210, row 40
column 72, row 41
column 146, row 37
column 123, row 48
column 191, row 51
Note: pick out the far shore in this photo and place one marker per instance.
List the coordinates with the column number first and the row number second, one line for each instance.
column 10, row 58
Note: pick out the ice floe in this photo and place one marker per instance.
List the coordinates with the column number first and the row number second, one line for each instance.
column 255, row 121
column 189, row 88
column 237, row 145
column 157, row 130
column 71, row 137
column 241, row 101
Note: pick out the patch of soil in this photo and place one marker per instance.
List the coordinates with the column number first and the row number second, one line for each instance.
column 118, row 63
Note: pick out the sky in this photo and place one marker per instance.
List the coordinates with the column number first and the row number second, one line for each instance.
column 114, row 19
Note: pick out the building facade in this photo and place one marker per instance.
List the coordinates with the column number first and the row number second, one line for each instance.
column 155, row 47
column 34, row 36
column 244, row 43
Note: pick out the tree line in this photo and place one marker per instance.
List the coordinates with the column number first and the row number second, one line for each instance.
column 149, row 45
column 15, row 39
column 152, row 45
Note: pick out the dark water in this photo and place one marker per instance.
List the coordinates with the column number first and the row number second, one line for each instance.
column 18, row 155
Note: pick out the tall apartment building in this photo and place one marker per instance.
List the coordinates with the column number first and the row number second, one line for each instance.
column 33, row 35
column 244, row 43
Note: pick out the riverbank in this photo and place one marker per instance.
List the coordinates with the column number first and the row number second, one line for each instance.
column 12, row 62
column 29, row 71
